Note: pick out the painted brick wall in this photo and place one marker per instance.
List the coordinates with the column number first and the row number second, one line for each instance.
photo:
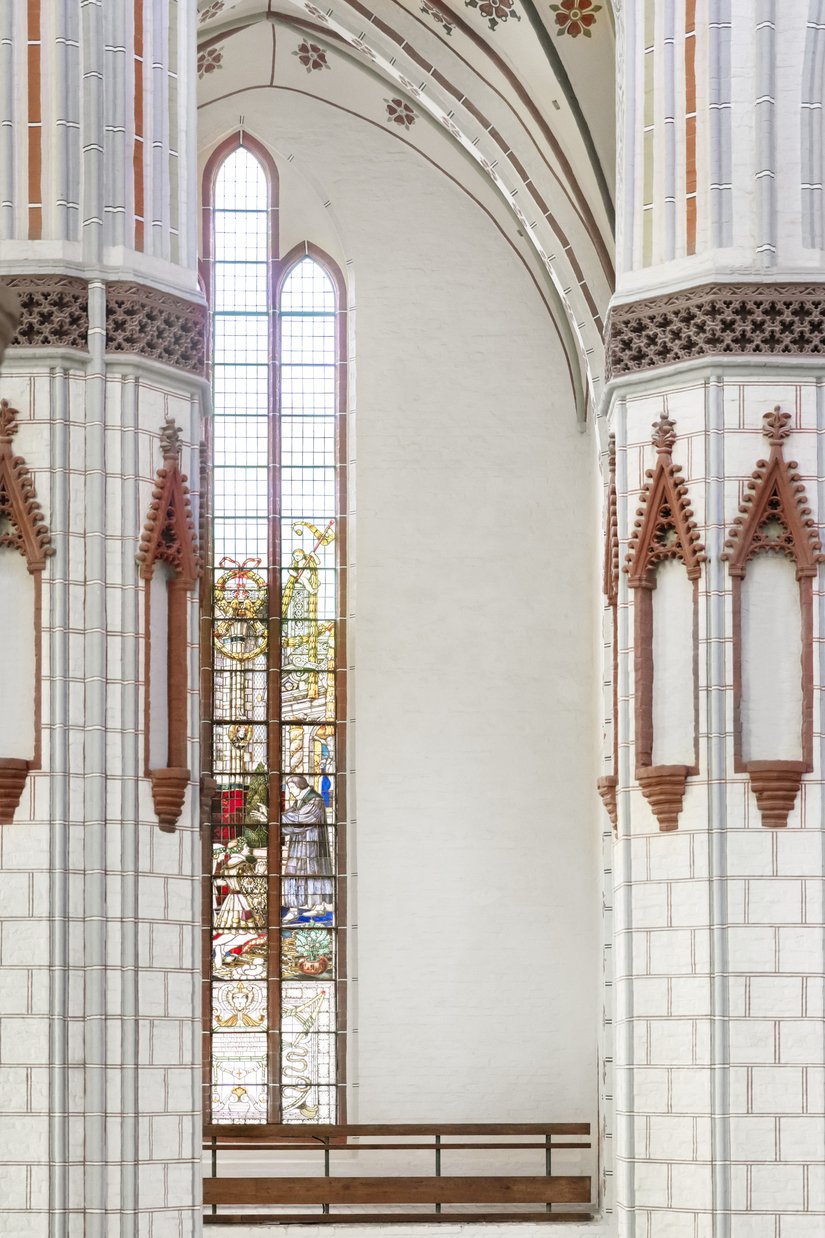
column 98, row 946
column 719, row 927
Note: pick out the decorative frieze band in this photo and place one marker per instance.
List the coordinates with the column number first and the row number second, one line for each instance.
column 54, row 311
column 141, row 321
column 150, row 323
column 742, row 320
column 9, row 317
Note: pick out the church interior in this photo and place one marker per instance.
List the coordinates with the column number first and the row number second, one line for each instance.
column 412, row 490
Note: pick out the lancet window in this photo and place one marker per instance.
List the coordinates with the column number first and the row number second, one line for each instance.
column 273, row 969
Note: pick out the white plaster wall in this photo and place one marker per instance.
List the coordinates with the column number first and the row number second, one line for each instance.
column 17, row 642
column 674, row 687
column 158, row 686
column 771, row 661
column 474, row 870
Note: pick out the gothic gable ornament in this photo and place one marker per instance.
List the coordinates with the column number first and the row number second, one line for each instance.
column 664, row 527
column 774, row 518
column 169, row 532
column 664, row 530
column 22, row 527
column 774, row 515
column 22, row 531
column 169, row 538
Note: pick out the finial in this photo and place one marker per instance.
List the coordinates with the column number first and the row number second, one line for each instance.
column 8, row 421
column 171, row 438
column 664, row 434
column 776, row 426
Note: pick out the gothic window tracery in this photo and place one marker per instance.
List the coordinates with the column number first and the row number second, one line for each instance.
column 275, row 606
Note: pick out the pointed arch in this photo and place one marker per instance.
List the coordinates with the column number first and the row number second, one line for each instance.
column 169, row 540
column 274, row 683
column 239, row 140
column 664, row 528
column 664, row 533
column 169, row 532
column 775, row 520
column 284, row 269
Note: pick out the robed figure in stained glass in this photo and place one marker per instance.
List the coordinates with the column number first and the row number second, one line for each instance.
column 307, row 871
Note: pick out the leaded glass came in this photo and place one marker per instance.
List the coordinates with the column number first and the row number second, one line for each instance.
column 277, row 729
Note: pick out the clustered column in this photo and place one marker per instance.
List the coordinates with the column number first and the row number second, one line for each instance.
column 716, row 413
column 100, row 910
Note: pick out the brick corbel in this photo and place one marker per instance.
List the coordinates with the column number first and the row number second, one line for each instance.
column 607, row 787
column 664, row 530
column 169, row 537
column 774, row 518
column 26, row 533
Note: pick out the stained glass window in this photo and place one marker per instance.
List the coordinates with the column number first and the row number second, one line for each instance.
column 276, row 634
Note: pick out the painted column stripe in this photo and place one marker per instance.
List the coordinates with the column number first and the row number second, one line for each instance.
column 719, row 120
column 811, row 124
column 765, row 108
column 35, row 123
column 690, row 127
column 649, row 132
column 138, row 147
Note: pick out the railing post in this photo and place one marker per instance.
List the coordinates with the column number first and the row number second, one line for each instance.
column 438, row 1164
column 214, row 1159
column 548, row 1162
column 325, row 1207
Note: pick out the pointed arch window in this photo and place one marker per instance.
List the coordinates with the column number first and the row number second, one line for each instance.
column 275, row 685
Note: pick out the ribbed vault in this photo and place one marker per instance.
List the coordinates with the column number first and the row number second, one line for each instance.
column 511, row 99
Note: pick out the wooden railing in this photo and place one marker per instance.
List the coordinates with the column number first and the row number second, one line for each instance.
column 320, row 1183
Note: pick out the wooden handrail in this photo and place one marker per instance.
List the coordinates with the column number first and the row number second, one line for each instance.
column 502, row 1189
column 388, row 1198
column 306, row 1133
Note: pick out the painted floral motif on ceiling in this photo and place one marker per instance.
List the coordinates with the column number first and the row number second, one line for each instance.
column 496, row 11
column 212, row 8
column 210, row 59
column 575, row 17
column 441, row 19
column 400, row 113
column 311, row 56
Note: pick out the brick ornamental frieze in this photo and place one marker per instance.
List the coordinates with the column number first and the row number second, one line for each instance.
column 149, row 323
column 54, row 311
column 729, row 320
column 141, row 321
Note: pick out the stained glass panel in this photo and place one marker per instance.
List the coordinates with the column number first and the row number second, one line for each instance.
column 239, row 1077
column 239, row 1005
column 275, row 619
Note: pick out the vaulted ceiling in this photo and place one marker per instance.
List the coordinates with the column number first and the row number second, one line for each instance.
column 512, row 99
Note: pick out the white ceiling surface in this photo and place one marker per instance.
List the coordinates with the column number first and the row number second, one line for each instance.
column 514, row 109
